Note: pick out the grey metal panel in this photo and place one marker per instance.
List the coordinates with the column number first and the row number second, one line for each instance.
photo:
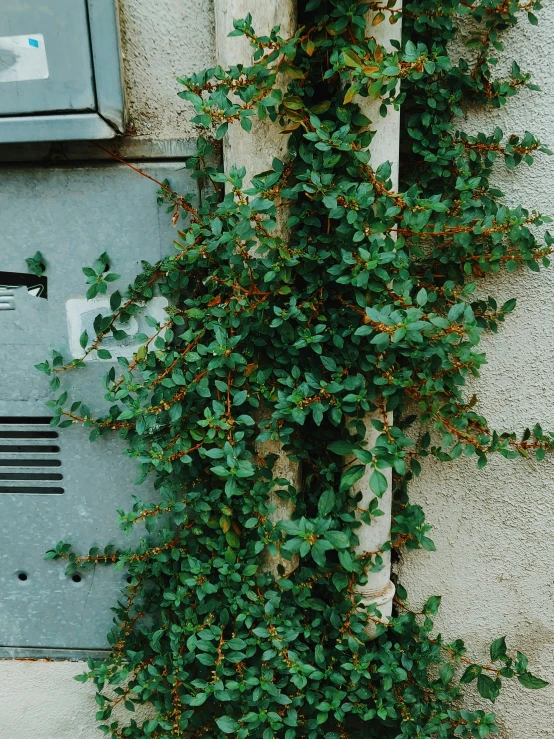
column 66, row 127
column 81, row 95
column 70, row 84
column 71, row 214
column 108, row 64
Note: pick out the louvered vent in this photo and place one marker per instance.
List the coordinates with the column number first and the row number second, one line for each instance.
column 29, row 456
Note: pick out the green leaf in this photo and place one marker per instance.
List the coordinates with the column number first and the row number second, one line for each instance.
column 378, row 483
column 35, row 264
column 351, row 93
column 92, row 292
column 326, row 502
column 446, row 673
column 115, row 300
column 488, row 688
column 205, row 659
column 227, row 724
column 498, row 649
column 471, row 673
column 432, row 605
column 240, row 397
column 222, row 130
column 421, row 297
column 198, row 700
column 531, row 682
column 318, row 552
column 427, row 543
column 232, row 539
column 352, row 475
column 338, row 539
column 340, row 447
column 150, row 726
column 351, row 59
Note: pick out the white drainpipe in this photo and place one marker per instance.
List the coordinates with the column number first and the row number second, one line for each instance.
column 379, row 589
column 256, row 151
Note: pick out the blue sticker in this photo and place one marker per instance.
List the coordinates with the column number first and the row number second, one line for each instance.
column 33, row 42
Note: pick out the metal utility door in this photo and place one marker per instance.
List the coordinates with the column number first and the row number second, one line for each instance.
column 45, row 57
column 55, row 484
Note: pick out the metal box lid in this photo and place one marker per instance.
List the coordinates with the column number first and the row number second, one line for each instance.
column 60, row 70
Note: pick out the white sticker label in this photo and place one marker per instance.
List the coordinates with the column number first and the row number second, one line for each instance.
column 23, row 58
column 80, row 317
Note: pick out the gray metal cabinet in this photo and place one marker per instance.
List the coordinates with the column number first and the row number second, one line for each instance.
column 56, row 484
column 60, row 70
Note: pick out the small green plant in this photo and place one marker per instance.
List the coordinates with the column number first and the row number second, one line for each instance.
column 366, row 307
column 36, row 264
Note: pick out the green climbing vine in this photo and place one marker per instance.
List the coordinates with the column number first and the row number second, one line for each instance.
column 366, row 306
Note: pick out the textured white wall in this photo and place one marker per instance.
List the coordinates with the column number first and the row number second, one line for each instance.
column 494, row 563
column 163, row 40
column 42, row 700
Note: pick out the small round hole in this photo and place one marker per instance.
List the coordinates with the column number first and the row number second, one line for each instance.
column 129, row 579
column 76, row 578
column 22, row 576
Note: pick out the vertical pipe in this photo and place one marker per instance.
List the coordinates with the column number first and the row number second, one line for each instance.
column 379, row 590
column 385, row 144
column 255, row 151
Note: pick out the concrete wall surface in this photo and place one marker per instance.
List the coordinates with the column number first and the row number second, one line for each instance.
column 163, row 40
column 494, row 564
column 42, row 700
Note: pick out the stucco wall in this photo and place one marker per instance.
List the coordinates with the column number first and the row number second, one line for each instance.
column 163, row 40
column 43, row 701
column 494, row 563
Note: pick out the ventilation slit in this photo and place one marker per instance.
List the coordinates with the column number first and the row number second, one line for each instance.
column 28, row 435
column 27, row 468
column 26, row 420
column 29, row 449
column 29, row 462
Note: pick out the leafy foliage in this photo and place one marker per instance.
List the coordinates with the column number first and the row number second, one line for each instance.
column 365, row 307
column 35, row 264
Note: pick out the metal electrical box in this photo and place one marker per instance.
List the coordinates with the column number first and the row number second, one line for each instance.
column 60, row 70
column 55, row 484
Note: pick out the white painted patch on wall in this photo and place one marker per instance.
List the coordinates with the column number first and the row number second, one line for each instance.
column 23, row 58
column 80, row 317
